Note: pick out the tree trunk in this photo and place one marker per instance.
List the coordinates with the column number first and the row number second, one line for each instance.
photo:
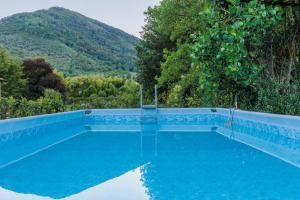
column 270, row 61
column 292, row 59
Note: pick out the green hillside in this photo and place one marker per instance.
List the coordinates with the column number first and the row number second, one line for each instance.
column 71, row 42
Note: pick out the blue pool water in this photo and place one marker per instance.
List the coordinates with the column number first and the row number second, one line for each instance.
column 182, row 156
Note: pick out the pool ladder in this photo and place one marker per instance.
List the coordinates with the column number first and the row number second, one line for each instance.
column 231, row 112
column 149, row 120
column 231, row 116
column 148, row 112
column 142, row 100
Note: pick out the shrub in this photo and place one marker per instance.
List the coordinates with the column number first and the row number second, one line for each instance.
column 7, row 108
column 276, row 97
column 51, row 102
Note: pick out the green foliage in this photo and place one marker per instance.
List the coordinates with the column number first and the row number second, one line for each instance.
column 72, row 43
column 51, row 102
column 177, row 79
column 12, row 72
column 183, row 93
column 276, row 97
column 102, row 92
column 164, row 51
column 228, row 53
column 180, row 18
column 8, row 108
column 47, row 92
column 150, row 50
column 176, row 64
column 216, row 50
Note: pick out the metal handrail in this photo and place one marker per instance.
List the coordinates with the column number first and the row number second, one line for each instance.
column 141, row 96
column 155, row 96
column 236, row 102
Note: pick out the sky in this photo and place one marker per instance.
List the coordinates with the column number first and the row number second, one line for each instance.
column 127, row 15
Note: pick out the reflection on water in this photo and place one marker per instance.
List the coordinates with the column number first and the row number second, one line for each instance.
column 9, row 195
column 116, row 188
column 75, row 165
column 128, row 185
column 151, row 165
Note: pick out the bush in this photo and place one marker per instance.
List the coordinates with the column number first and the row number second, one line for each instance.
column 51, row 102
column 7, row 108
column 11, row 71
column 275, row 97
column 101, row 92
column 41, row 76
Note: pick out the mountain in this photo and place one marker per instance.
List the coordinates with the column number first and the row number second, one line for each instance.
column 71, row 42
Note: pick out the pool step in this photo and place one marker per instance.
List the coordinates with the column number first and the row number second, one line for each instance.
column 149, row 115
column 149, row 107
column 149, row 127
column 149, row 119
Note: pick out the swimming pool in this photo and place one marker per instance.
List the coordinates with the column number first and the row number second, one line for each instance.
column 176, row 154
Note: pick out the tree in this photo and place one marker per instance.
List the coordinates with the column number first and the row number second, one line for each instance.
column 220, row 49
column 150, row 49
column 164, row 51
column 229, row 56
column 11, row 71
column 40, row 76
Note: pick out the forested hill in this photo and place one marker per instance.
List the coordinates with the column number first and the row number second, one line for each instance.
column 71, row 42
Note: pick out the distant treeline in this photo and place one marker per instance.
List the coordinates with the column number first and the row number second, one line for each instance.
column 33, row 87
